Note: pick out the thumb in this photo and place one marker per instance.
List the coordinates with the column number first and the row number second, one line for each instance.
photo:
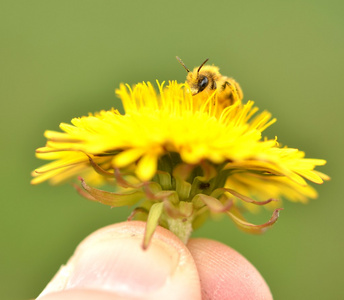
column 111, row 264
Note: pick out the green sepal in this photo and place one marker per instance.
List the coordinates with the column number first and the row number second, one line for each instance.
column 200, row 217
column 213, row 204
column 165, row 180
column 173, row 211
column 98, row 168
column 152, row 222
column 113, row 199
column 220, row 191
column 252, row 228
column 170, row 196
column 186, row 208
column 183, row 189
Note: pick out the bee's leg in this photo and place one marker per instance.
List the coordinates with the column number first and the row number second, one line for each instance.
column 213, row 85
column 231, row 91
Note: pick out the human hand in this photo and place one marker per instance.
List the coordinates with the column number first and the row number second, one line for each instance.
column 111, row 264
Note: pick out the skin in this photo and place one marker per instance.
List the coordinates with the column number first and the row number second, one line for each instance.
column 110, row 264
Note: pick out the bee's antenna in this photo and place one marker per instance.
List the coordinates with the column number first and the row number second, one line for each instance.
column 181, row 62
column 202, row 65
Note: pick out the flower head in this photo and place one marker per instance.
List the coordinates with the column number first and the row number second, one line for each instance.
column 179, row 158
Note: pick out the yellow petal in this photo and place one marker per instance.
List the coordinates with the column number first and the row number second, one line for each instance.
column 127, row 157
column 147, row 166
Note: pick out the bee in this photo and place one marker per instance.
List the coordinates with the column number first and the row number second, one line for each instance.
column 207, row 79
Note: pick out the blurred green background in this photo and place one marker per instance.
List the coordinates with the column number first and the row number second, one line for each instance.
column 61, row 59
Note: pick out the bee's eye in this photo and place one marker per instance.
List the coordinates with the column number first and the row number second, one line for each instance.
column 203, row 84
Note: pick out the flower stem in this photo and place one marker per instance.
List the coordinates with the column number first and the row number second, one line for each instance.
column 182, row 228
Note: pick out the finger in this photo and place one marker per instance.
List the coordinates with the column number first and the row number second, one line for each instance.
column 226, row 274
column 111, row 262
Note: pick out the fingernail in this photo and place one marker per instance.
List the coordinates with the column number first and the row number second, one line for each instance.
column 117, row 262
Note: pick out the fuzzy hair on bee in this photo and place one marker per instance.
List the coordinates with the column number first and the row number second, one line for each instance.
column 207, row 79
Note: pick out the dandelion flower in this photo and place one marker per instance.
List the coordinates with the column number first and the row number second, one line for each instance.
column 179, row 158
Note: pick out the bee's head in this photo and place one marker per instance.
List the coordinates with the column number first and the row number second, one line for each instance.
column 197, row 80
